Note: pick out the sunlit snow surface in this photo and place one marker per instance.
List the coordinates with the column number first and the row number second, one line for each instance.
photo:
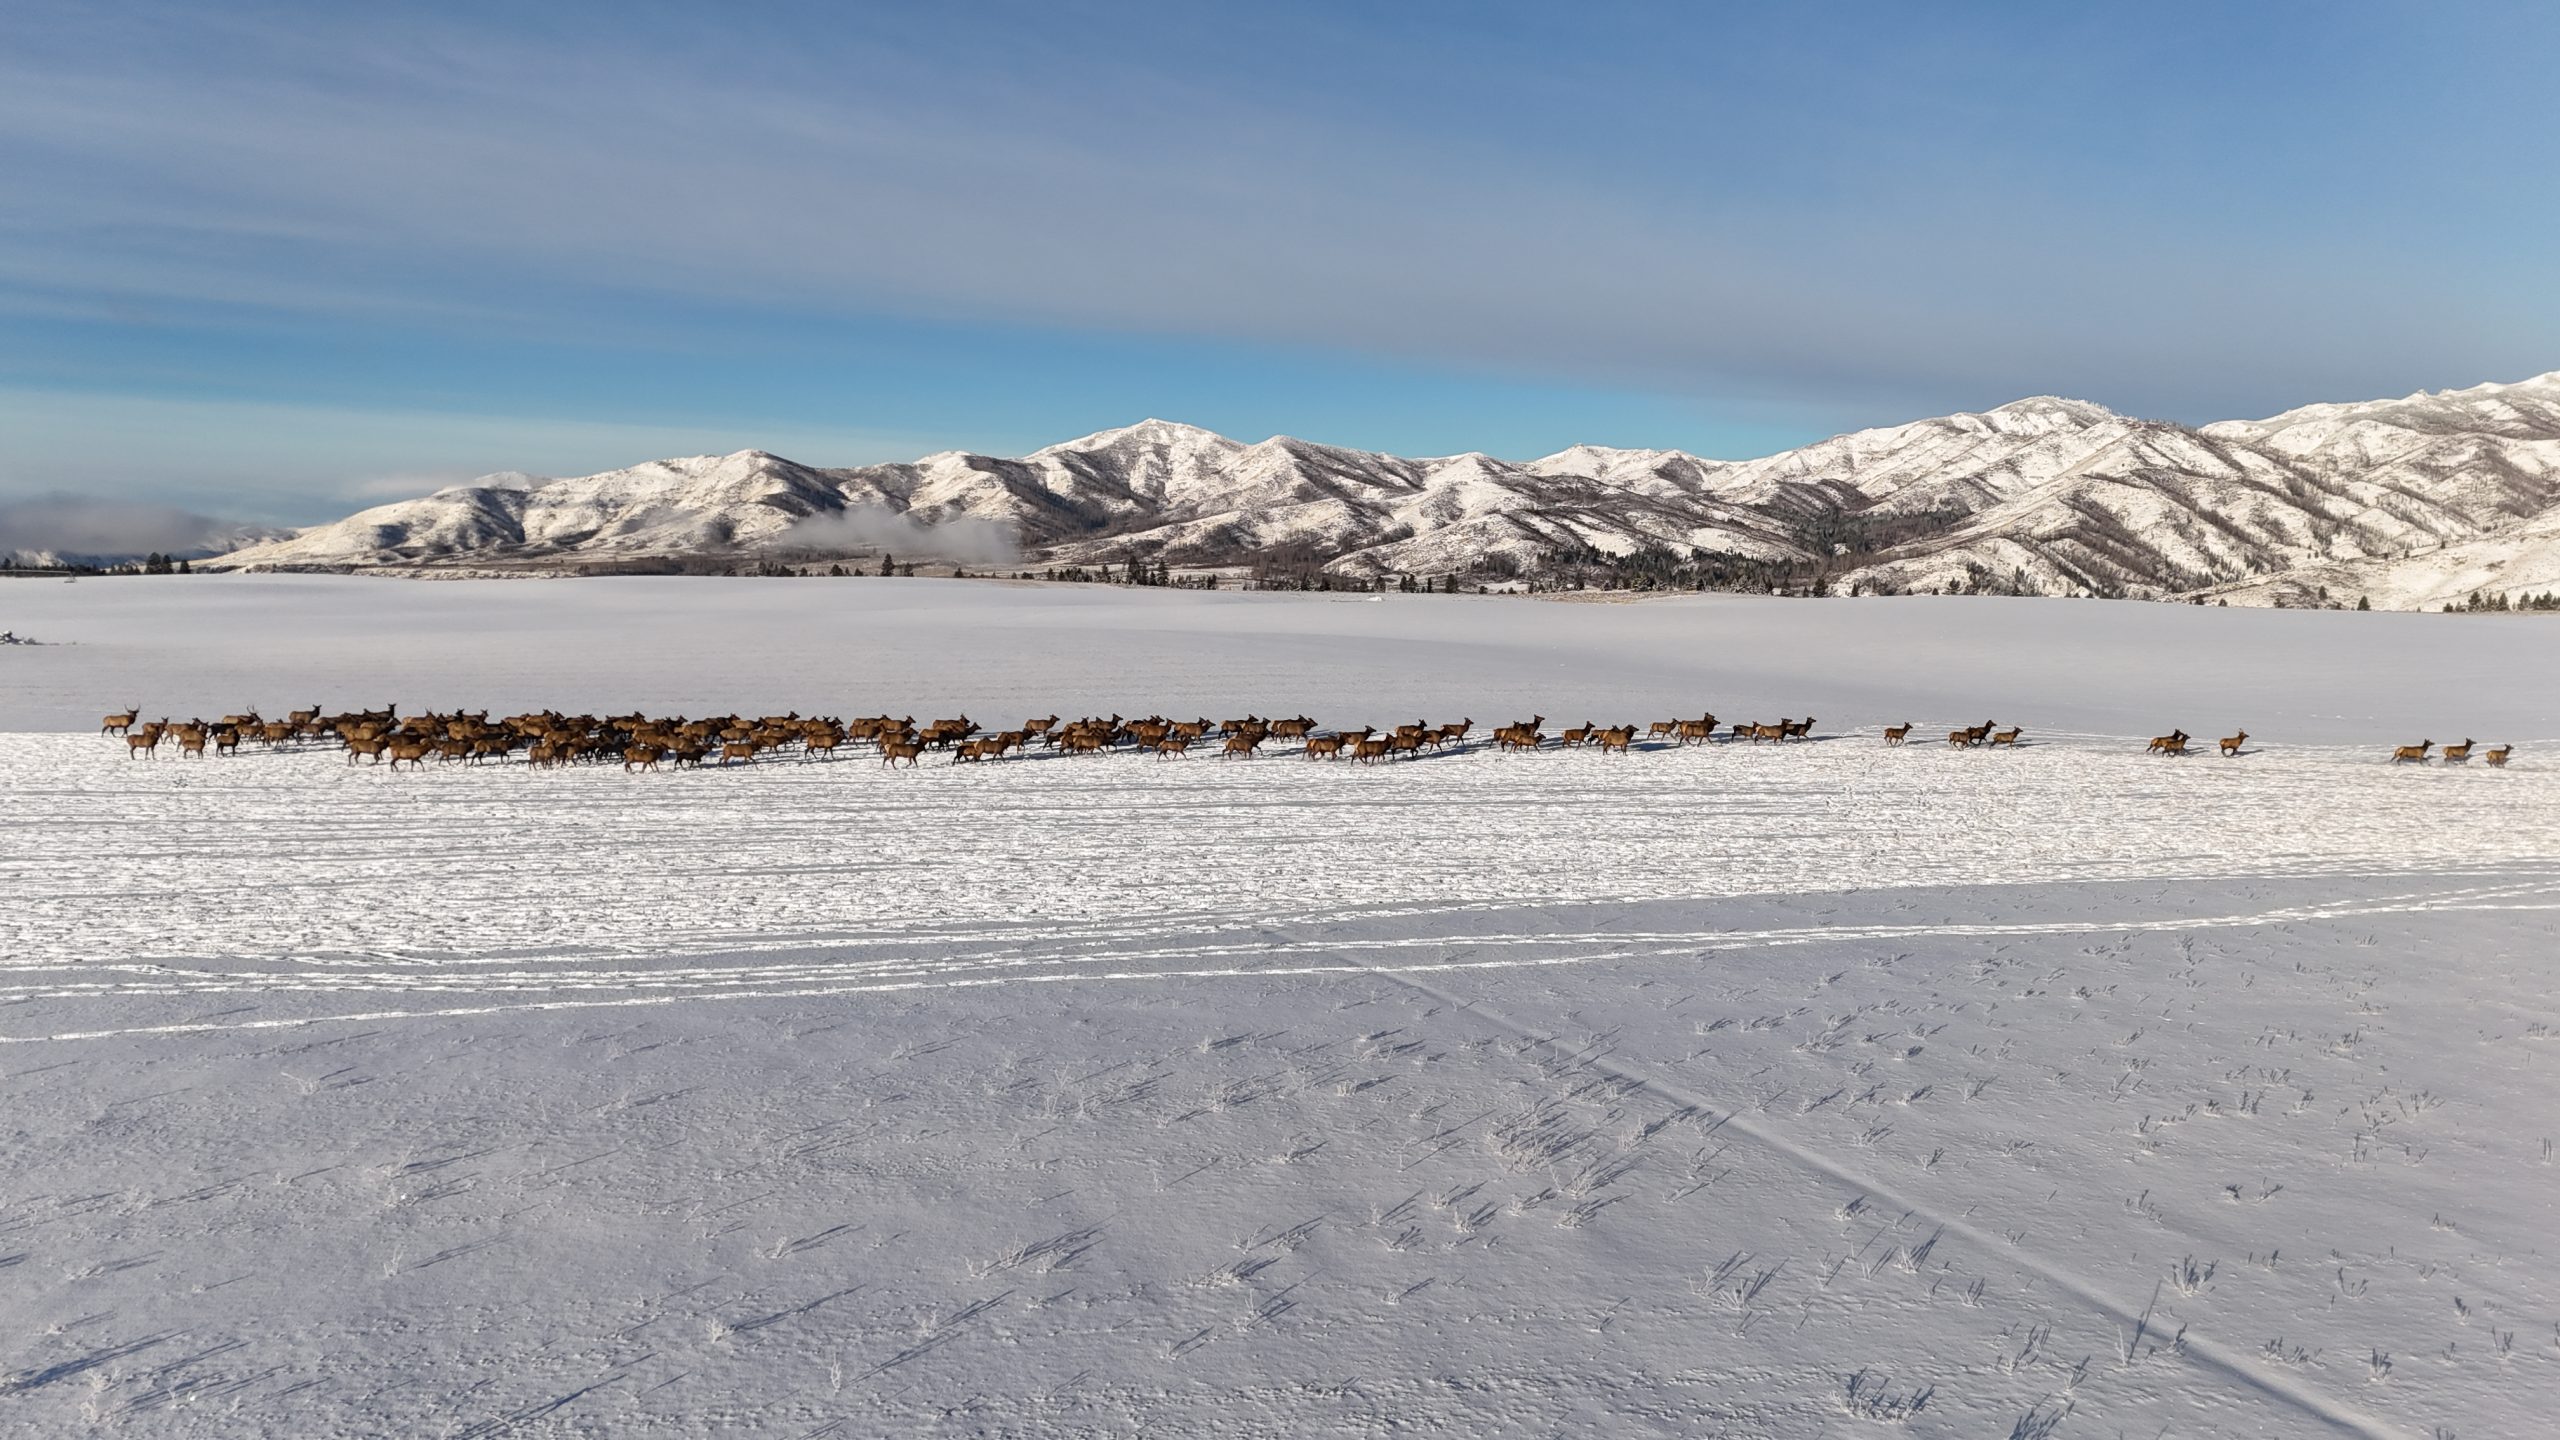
column 1734, row 1090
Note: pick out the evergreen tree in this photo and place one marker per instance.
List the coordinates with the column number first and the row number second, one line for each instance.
column 888, row 566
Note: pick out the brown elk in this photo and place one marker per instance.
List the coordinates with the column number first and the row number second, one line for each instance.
column 2457, row 754
column 1294, row 728
column 1455, row 732
column 1242, row 743
column 1797, row 729
column 894, row 751
column 412, row 750
column 1173, row 747
column 1324, row 747
column 145, row 741
column 368, row 746
column 1770, row 732
column 1369, row 752
column 641, row 757
column 1616, row 739
column 2497, row 758
column 2231, row 743
column 742, row 751
column 190, row 740
column 1896, row 734
column 1969, row 736
column 226, row 741
column 2009, row 736
column 1663, row 729
column 1569, row 739
column 1698, row 731
column 2173, row 743
column 823, row 742
column 2408, row 754
column 118, row 724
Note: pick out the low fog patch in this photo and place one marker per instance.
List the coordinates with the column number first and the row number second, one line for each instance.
column 79, row 528
column 962, row 540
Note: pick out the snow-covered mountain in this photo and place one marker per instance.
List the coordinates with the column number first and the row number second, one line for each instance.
column 2410, row 502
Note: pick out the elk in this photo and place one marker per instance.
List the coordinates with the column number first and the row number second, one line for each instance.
column 2408, row 754
column 1571, row 738
column 1797, row 729
column 145, row 741
column 1770, row 732
column 1696, row 732
column 1242, row 743
column 1969, row 736
column 893, row 751
column 641, row 757
column 413, row 751
column 2498, row 758
column 190, row 741
column 822, row 743
column 742, row 751
column 2457, row 754
column 2231, row 743
column 1896, row 734
column 1173, row 747
column 1324, row 747
column 1663, row 729
column 1616, row 739
column 2009, row 736
column 118, row 724
column 370, row 746
column 1455, row 732
column 1369, row 752
column 2173, row 743
column 226, row 741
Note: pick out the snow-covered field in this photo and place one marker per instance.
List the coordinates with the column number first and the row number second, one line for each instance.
column 1811, row 1090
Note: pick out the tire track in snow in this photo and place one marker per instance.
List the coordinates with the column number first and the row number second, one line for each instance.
column 822, row 981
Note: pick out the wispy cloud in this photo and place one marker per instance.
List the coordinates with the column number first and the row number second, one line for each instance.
column 2190, row 213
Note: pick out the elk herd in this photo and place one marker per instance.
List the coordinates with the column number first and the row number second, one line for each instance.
column 640, row 742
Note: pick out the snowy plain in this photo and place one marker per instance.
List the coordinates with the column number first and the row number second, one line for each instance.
column 1825, row 1089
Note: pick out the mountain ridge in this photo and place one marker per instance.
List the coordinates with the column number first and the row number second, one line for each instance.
column 2396, row 501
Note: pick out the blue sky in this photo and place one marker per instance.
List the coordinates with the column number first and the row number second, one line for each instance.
column 273, row 261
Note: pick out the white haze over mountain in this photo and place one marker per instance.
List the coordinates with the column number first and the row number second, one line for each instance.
column 56, row 528
column 964, row 540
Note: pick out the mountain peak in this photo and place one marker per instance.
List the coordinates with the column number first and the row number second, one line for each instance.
column 2055, row 408
column 1150, row 431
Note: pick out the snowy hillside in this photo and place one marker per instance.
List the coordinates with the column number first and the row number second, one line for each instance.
column 2409, row 502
